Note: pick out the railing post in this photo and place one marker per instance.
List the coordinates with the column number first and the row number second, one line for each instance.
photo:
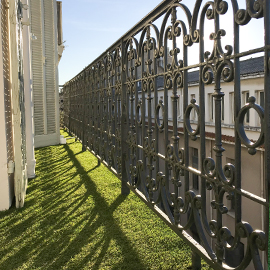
column 124, row 125
column 69, row 108
column 84, row 109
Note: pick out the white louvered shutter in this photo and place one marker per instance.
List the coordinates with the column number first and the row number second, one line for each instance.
column 37, row 67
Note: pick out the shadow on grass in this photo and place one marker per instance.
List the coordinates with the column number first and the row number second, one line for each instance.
column 65, row 221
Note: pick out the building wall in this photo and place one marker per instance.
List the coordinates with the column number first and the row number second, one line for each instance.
column 6, row 133
column 13, row 165
column 252, row 85
column 18, row 106
column 252, row 182
column 20, row 54
column 28, row 87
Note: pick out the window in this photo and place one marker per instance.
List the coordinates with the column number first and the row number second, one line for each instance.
column 222, row 108
column 195, row 165
column 232, row 107
column 160, row 62
column 245, row 99
column 153, row 108
column 260, row 101
column 160, row 110
column 180, row 106
column 231, row 202
column 170, row 109
column 193, row 114
column 212, row 108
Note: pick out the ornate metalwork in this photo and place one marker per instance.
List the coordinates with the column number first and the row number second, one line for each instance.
column 118, row 109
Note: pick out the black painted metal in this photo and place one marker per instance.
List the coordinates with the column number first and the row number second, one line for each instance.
column 114, row 106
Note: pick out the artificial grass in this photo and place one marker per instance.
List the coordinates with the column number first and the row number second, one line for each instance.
column 76, row 218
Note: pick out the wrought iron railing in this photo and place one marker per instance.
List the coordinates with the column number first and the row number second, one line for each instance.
column 119, row 108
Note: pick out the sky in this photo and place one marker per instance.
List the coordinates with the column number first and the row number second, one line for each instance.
column 91, row 26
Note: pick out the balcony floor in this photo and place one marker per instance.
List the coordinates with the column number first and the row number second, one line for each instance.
column 75, row 218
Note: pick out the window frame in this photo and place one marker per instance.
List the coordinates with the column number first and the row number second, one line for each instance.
column 245, row 97
column 212, row 108
column 259, row 102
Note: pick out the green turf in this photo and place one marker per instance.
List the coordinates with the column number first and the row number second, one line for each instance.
column 75, row 218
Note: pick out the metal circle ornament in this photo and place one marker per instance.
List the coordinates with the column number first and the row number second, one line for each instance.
column 240, row 125
column 192, row 132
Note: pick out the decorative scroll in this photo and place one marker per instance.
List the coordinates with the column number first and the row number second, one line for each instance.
column 125, row 108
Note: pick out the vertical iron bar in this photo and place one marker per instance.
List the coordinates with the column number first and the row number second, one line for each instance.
column 124, row 124
column 88, row 109
column 101, row 102
column 143, row 109
column 149, row 99
column 165, row 117
column 110, row 104
column 133, row 130
column 114, row 114
column 202, row 104
column 156, row 131
column 129, row 100
column 106, row 126
column 137, row 151
column 218, row 95
column 237, row 107
column 174, row 98
column 119, row 114
column 69, row 105
column 267, row 116
column 84, row 113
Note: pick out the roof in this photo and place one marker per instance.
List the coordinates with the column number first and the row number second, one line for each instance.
column 252, row 66
column 247, row 67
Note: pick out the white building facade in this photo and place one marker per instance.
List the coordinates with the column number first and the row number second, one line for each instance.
column 20, row 99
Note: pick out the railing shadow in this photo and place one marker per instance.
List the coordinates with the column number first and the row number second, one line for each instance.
column 50, row 238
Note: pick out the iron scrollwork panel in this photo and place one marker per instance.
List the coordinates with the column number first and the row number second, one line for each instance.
column 146, row 81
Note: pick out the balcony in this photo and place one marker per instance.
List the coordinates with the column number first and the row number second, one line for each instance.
column 76, row 218
column 209, row 183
